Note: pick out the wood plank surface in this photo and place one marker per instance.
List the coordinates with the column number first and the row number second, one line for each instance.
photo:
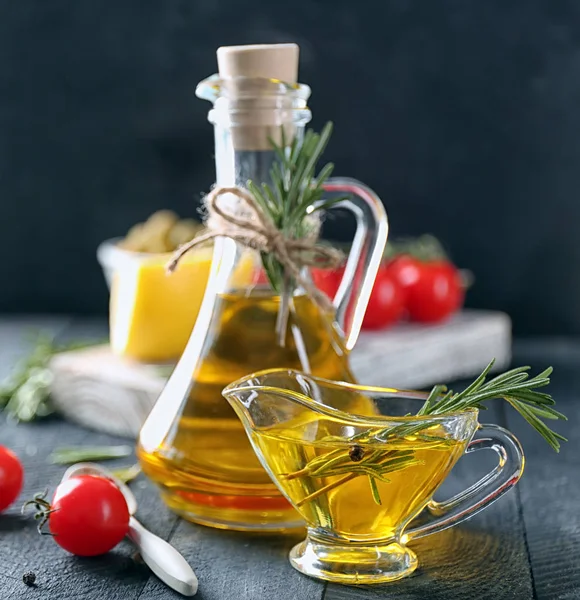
column 485, row 558
column 550, row 488
column 236, row 566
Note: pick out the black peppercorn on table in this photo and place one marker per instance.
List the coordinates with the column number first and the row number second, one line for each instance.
column 526, row 546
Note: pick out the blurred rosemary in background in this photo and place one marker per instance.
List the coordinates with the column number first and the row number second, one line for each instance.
column 25, row 393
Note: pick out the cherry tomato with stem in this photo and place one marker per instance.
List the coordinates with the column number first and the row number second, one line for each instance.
column 11, row 477
column 88, row 515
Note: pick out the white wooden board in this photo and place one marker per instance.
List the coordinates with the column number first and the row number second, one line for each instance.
column 104, row 392
column 416, row 356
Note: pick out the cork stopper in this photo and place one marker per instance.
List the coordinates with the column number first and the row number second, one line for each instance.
column 271, row 61
column 259, row 109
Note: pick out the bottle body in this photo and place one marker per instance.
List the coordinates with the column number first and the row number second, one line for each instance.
column 193, row 445
column 205, row 465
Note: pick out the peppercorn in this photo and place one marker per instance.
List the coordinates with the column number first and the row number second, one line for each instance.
column 29, row 578
column 356, row 453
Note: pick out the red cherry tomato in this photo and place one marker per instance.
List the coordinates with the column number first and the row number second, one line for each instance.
column 88, row 515
column 328, row 280
column 387, row 302
column 436, row 294
column 11, row 477
column 260, row 277
column 405, row 269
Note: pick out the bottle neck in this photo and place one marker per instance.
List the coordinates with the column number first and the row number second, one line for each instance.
column 236, row 166
column 249, row 114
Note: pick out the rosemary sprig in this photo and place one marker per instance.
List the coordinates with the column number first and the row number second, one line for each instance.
column 295, row 192
column 361, row 455
column 127, row 474
column 25, row 393
column 375, row 465
column 515, row 387
column 70, row 456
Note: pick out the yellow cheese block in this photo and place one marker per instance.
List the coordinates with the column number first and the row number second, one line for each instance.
column 152, row 313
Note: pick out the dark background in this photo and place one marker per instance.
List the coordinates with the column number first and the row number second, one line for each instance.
column 464, row 115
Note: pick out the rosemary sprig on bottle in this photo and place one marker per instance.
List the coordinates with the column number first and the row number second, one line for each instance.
column 295, row 193
column 363, row 456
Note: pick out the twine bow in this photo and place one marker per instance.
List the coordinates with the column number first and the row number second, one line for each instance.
column 253, row 228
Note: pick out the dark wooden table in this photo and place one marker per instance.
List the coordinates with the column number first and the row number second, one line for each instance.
column 526, row 546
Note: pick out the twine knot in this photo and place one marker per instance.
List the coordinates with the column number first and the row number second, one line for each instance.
column 250, row 225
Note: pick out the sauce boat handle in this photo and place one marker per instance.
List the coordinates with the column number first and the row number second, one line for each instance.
column 442, row 515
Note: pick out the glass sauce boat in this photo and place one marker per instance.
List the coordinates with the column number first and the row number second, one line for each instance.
column 360, row 479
